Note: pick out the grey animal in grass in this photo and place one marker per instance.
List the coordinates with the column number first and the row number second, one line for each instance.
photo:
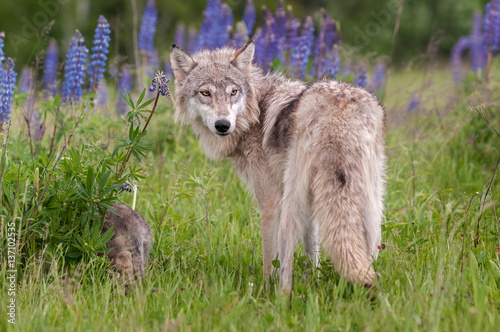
column 313, row 154
column 131, row 242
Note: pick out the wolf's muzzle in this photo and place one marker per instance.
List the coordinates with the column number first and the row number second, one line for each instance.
column 222, row 126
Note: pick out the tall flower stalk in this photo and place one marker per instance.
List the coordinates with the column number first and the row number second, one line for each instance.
column 148, row 28
column 2, row 54
column 124, row 86
column 146, row 37
column 7, row 87
column 50, row 67
column 74, row 70
column 97, row 65
column 249, row 16
column 491, row 32
column 302, row 51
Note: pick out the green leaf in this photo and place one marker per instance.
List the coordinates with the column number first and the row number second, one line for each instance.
column 146, row 103
column 126, row 100
column 130, row 100
column 90, row 179
column 104, row 180
column 141, row 97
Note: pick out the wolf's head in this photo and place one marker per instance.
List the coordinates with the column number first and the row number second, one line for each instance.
column 213, row 89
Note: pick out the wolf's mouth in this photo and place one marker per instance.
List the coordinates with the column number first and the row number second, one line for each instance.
column 222, row 134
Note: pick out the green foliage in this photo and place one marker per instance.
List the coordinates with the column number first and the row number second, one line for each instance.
column 62, row 211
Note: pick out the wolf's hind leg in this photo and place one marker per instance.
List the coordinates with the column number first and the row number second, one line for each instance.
column 374, row 206
column 295, row 211
column 310, row 240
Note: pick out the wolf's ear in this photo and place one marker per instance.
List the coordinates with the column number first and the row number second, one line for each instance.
column 243, row 57
column 181, row 62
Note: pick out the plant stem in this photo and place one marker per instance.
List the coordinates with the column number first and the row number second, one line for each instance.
column 127, row 157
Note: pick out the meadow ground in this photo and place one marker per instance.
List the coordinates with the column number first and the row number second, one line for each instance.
column 205, row 271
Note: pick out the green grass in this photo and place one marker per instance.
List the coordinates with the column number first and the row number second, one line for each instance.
column 431, row 276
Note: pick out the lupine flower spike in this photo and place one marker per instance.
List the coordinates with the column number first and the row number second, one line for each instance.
column 7, row 87
column 301, row 52
column 180, row 32
column 148, row 28
column 361, row 77
column 76, row 59
column 50, row 67
column 2, row 54
column 161, row 81
column 98, row 58
column 491, row 26
column 249, row 16
column 491, row 32
column 124, row 86
column 280, row 29
column 378, row 77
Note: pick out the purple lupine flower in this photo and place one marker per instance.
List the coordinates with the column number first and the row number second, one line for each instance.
column 102, row 93
column 456, row 57
column 154, row 62
column 148, row 28
column 211, row 26
column 259, row 45
column 124, row 86
column 292, row 32
column 361, row 77
column 25, row 81
column 491, row 26
column 414, row 102
column 191, row 40
column 50, row 67
column 162, row 81
column 2, row 54
column 331, row 65
column 280, row 30
column 346, row 68
column 265, row 42
column 168, row 69
column 226, row 25
column 74, row 69
column 378, row 78
column 249, row 16
column 300, row 55
column 180, row 32
column 7, row 87
column 240, row 36
column 478, row 51
column 327, row 36
column 37, row 126
column 98, row 57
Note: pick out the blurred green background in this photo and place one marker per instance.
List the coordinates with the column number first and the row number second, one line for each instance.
column 365, row 24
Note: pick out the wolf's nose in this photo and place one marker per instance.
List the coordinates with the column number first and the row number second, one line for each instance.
column 222, row 125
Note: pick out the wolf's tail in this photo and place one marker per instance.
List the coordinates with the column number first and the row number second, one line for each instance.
column 338, row 204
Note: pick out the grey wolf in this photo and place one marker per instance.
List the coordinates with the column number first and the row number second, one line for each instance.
column 313, row 154
column 131, row 242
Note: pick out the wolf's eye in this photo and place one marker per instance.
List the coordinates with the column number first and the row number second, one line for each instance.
column 205, row 93
column 234, row 92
